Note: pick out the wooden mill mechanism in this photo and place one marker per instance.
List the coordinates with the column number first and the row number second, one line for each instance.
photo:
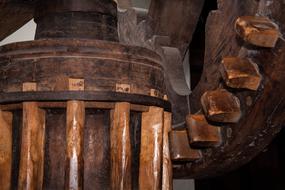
column 99, row 99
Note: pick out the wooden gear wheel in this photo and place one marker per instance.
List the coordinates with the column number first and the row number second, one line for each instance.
column 123, row 71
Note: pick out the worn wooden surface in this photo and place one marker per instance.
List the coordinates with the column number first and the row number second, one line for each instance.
column 258, row 30
column 167, row 181
column 150, row 170
column 240, row 73
column 221, row 106
column 75, row 121
column 31, row 171
column 263, row 111
column 201, row 133
column 176, row 19
column 121, row 155
column 5, row 150
column 180, row 148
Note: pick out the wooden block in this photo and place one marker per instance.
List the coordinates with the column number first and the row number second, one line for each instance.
column 154, row 93
column 180, row 149
column 32, row 148
column 166, row 162
column 221, row 106
column 75, row 121
column 257, row 30
column 29, row 86
column 121, row 155
column 5, row 149
column 124, row 88
column 151, row 149
column 240, row 73
column 75, row 84
column 201, row 133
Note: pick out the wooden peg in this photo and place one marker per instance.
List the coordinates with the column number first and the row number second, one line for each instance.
column 151, row 149
column 201, row 133
column 180, row 148
column 221, row 106
column 257, row 30
column 240, row 73
column 121, row 155
column 154, row 93
column 75, row 84
column 124, row 88
column 29, row 86
column 167, row 165
column 75, row 121
column 5, row 149
column 32, row 148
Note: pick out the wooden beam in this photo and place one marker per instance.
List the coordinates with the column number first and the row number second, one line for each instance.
column 151, row 149
column 5, row 150
column 176, row 19
column 32, row 148
column 166, row 161
column 121, row 155
column 75, row 120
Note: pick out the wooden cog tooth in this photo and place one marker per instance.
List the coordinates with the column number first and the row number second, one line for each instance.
column 240, row 73
column 257, row 30
column 221, row 106
column 180, row 149
column 201, row 133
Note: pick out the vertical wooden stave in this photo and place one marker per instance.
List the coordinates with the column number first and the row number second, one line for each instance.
column 5, row 149
column 32, row 148
column 121, row 155
column 151, row 149
column 75, row 121
column 167, row 164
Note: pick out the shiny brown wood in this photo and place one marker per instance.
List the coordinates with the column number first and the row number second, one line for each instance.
column 121, row 155
column 201, row 133
column 221, row 106
column 166, row 161
column 180, row 149
column 5, row 149
column 257, row 30
column 151, row 149
column 240, row 73
column 75, row 120
column 32, row 148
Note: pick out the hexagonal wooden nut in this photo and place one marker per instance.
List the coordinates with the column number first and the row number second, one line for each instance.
column 257, row 30
column 221, row 106
column 201, row 133
column 240, row 73
column 180, row 149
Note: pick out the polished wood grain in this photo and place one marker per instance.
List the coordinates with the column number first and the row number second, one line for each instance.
column 221, row 106
column 150, row 171
column 32, row 148
column 121, row 155
column 240, row 73
column 75, row 120
column 180, row 149
column 257, row 30
column 201, row 133
column 166, row 162
column 5, row 149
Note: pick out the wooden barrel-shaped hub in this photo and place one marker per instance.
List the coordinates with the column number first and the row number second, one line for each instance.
column 80, row 114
